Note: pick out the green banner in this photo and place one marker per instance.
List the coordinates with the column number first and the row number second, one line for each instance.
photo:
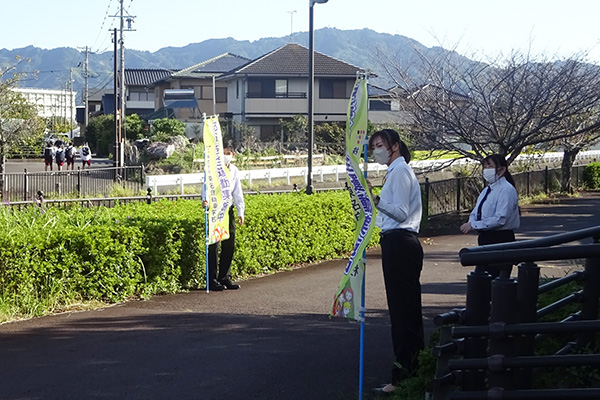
column 348, row 298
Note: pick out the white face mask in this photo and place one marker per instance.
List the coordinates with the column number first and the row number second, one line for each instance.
column 381, row 155
column 228, row 158
column 489, row 174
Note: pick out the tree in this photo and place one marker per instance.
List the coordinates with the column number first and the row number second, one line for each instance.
column 505, row 106
column 572, row 145
column 100, row 134
column 164, row 128
column 18, row 118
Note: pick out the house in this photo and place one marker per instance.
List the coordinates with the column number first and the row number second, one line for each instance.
column 275, row 86
column 387, row 106
column 140, row 89
column 189, row 92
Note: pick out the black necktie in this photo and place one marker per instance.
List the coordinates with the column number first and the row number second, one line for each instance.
column 487, row 192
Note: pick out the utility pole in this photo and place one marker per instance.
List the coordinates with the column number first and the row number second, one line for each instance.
column 71, row 100
column 116, row 97
column 122, row 89
column 86, row 92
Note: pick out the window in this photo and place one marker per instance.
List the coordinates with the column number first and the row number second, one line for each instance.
column 262, row 88
column 332, row 89
column 281, row 89
column 380, row 105
column 140, row 95
column 221, row 95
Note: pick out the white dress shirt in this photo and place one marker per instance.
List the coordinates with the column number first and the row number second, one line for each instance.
column 400, row 199
column 236, row 190
column 500, row 210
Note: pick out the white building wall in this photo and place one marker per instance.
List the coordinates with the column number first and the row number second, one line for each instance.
column 50, row 102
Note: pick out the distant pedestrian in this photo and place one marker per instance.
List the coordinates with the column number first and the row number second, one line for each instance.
column 70, row 152
column 86, row 156
column 49, row 153
column 496, row 214
column 60, row 157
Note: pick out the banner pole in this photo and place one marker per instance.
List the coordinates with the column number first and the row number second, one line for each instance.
column 205, row 217
column 362, row 301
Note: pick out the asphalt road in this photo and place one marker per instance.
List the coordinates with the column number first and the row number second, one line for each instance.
column 271, row 339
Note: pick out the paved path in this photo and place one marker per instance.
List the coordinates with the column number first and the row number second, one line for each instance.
column 270, row 340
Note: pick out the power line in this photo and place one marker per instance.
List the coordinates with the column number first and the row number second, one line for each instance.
column 102, row 26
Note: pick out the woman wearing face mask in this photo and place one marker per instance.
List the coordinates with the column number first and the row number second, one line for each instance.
column 496, row 214
column 399, row 218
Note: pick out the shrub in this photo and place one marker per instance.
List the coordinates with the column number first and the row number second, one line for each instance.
column 591, row 175
column 53, row 257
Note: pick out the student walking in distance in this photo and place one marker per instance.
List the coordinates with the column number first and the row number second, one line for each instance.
column 49, row 153
column 70, row 152
column 496, row 214
column 222, row 280
column 60, row 157
column 86, row 156
column 399, row 218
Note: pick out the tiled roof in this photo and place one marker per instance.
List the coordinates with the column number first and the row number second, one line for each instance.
column 292, row 59
column 144, row 77
column 215, row 66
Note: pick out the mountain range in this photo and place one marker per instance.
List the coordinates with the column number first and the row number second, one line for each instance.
column 50, row 69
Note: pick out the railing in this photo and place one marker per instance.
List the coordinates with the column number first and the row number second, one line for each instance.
column 88, row 182
column 490, row 353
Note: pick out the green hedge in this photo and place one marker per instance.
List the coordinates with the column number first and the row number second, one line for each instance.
column 52, row 257
column 591, row 175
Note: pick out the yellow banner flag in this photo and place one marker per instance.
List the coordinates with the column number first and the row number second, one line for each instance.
column 217, row 183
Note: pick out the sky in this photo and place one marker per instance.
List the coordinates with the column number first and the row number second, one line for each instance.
column 473, row 27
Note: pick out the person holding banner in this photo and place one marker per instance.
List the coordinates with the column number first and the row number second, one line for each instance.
column 222, row 280
column 399, row 218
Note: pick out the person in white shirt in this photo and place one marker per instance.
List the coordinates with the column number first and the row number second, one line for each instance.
column 85, row 154
column 222, row 280
column 496, row 213
column 399, row 218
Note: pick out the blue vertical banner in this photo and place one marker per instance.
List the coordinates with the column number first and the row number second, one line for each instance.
column 348, row 300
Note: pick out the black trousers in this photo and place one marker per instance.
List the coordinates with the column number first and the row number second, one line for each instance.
column 493, row 237
column 227, row 248
column 402, row 260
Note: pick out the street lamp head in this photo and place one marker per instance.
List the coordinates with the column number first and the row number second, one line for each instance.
column 313, row 2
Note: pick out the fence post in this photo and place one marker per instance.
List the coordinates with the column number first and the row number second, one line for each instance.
column 25, row 185
column 149, row 196
column 79, row 181
column 546, row 180
column 504, row 304
column 142, row 174
column 479, row 295
column 591, row 294
column 426, row 195
column 527, row 176
column 527, row 296
column 458, row 194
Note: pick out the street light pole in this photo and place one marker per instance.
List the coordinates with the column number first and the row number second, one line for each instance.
column 311, row 84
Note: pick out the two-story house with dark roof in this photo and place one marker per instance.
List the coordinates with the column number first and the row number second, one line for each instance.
column 192, row 91
column 139, row 89
column 275, row 86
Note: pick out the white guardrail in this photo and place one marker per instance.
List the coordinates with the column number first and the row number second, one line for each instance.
column 319, row 172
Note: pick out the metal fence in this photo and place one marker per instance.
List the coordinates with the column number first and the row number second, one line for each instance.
column 439, row 197
column 91, row 182
column 460, row 194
